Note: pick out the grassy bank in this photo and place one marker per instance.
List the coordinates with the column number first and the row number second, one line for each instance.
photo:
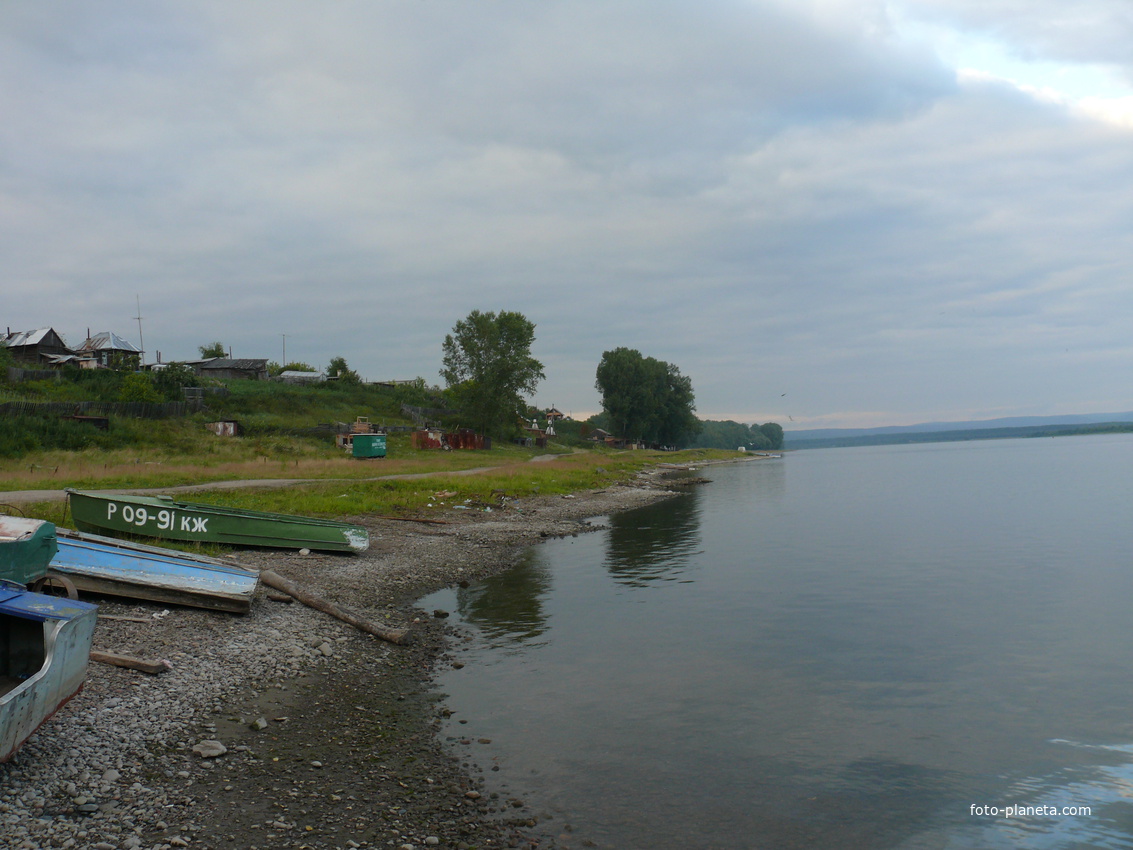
column 428, row 483
column 287, row 433
column 231, row 459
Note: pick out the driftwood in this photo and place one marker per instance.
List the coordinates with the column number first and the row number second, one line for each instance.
column 124, row 618
column 412, row 519
column 151, row 667
column 398, row 636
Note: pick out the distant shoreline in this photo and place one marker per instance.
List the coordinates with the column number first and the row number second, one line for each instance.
column 960, row 435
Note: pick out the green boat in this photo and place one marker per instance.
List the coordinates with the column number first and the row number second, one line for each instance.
column 167, row 518
column 26, row 547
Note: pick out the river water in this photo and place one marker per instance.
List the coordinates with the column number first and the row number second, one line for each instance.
column 853, row 648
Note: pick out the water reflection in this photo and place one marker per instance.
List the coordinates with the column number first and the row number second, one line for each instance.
column 654, row 543
column 508, row 608
column 1105, row 789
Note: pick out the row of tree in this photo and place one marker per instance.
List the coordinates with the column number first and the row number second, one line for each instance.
column 726, row 434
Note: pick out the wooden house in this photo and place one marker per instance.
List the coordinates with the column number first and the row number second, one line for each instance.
column 227, row 369
column 106, row 349
column 39, row 348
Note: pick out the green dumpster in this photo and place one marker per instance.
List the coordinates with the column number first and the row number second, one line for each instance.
column 369, row 445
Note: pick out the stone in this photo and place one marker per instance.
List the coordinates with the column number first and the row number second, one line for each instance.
column 210, row 749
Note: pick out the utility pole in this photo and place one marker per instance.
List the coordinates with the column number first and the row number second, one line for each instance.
column 141, row 342
column 284, row 362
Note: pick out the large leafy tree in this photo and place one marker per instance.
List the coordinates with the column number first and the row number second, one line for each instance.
column 488, row 369
column 338, row 369
column 213, row 349
column 645, row 398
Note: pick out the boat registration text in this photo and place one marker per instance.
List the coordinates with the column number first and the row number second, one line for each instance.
column 163, row 520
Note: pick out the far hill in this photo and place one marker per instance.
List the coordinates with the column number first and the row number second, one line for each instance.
column 987, row 429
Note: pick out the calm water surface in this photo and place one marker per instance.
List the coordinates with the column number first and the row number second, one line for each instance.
column 841, row 648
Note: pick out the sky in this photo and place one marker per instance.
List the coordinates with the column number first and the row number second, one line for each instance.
column 826, row 213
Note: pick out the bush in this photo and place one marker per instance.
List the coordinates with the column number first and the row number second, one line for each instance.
column 22, row 434
column 138, row 386
column 172, row 379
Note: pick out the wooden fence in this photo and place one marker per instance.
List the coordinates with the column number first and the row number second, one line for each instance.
column 135, row 409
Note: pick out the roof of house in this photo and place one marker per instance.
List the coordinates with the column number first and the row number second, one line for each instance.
column 109, row 341
column 230, row 363
column 20, row 338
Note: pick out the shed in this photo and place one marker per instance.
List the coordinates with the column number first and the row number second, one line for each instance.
column 292, row 376
column 226, row 428
column 227, row 368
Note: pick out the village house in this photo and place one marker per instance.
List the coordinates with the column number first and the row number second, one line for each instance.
column 39, row 348
column 106, row 349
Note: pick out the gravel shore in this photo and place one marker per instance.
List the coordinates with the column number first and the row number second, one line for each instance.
column 326, row 736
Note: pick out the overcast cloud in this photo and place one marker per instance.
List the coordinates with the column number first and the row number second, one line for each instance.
column 891, row 212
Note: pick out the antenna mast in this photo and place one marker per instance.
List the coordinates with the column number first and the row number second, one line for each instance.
column 141, row 342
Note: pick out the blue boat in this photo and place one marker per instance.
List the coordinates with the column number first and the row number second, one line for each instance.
column 45, row 641
column 45, row 646
column 112, row 567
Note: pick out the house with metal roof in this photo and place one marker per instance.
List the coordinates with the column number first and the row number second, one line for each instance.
column 106, row 349
column 294, row 376
column 41, row 347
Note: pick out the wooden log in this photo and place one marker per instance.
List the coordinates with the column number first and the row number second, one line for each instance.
column 402, row 637
column 151, row 667
column 412, row 519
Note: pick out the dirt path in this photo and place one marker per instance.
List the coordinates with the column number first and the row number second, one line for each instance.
column 16, row 497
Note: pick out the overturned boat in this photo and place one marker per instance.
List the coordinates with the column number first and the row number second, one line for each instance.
column 112, row 567
column 171, row 519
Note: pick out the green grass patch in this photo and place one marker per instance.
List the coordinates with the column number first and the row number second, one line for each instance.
column 445, row 489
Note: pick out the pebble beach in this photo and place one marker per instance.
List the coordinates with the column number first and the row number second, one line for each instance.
column 284, row 727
